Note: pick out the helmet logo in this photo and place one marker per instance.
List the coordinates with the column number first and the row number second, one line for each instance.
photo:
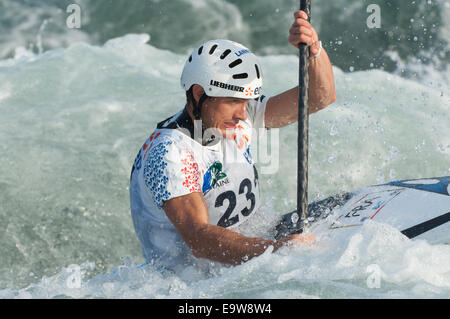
column 241, row 52
column 226, row 86
column 250, row 92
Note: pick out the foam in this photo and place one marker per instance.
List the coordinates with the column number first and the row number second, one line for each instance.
column 73, row 120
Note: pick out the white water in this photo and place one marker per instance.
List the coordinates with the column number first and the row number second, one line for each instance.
column 73, row 119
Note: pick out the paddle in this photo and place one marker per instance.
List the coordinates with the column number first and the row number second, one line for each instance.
column 302, row 154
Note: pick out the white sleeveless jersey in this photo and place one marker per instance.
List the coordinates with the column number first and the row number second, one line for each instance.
column 172, row 164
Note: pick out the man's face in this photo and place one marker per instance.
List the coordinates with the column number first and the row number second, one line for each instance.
column 223, row 113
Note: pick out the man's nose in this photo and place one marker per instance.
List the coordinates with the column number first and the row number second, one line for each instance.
column 241, row 113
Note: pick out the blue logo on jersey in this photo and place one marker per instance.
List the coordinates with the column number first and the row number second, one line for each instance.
column 248, row 156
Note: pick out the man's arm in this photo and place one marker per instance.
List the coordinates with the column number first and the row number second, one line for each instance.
column 189, row 215
column 282, row 109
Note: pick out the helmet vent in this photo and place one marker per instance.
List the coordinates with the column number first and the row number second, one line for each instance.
column 225, row 53
column 240, row 76
column 213, row 48
column 257, row 71
column 200, row 50
column 234, row 63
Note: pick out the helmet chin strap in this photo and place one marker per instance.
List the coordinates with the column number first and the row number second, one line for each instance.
column 197, row 110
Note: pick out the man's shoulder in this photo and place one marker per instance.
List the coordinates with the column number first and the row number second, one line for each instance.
column 170, row 122
column 167, row 131
column 170, row 146
column 166, row 140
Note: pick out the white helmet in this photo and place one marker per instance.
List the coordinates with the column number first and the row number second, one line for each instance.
column 224, row 69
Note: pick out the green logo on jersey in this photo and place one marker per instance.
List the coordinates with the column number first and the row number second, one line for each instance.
column 212, row 176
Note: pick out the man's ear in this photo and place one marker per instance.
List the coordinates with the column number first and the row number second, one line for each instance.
column 197, row 92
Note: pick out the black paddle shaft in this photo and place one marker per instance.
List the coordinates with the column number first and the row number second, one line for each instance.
column 302, row 156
